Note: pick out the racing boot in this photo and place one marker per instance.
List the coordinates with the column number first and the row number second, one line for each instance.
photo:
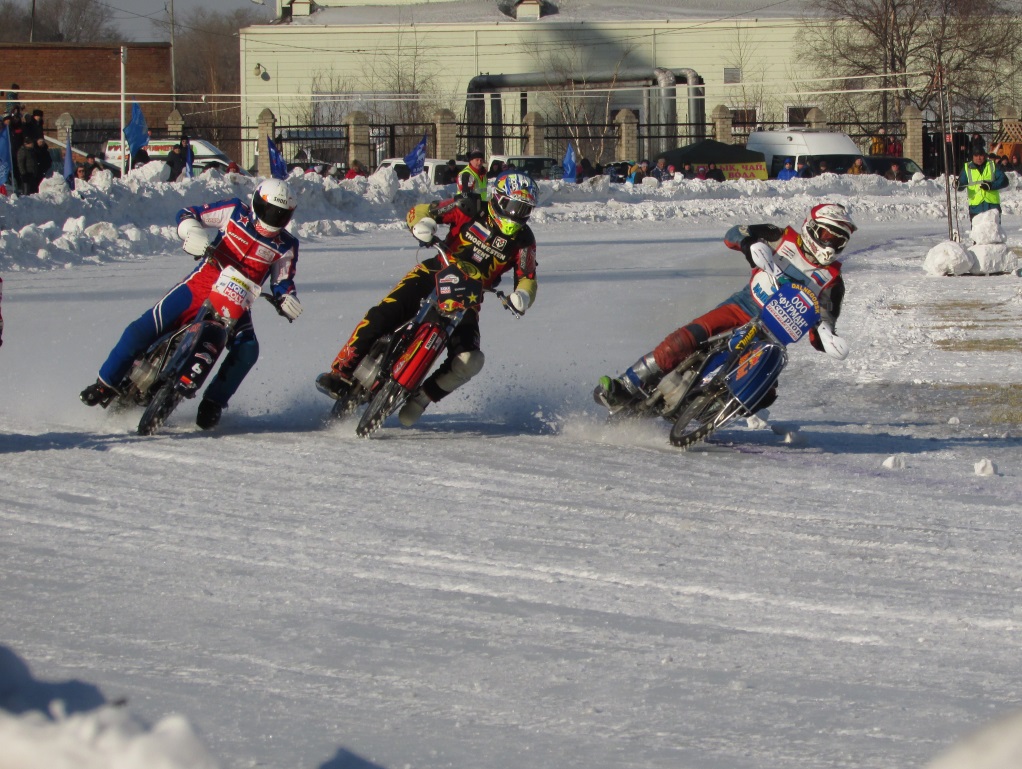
column 616, row 393
column 413, row 408
column 98, row 394
column 334, row 383
column 209, row 413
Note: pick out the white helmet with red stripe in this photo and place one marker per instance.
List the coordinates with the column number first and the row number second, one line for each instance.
column 273, row 204
column 826, row 232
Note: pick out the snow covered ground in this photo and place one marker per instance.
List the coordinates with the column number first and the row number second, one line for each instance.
column 512, row 582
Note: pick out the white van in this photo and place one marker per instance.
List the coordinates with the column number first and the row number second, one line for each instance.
column 436, row 170
column 204, row 154
column 810, row 145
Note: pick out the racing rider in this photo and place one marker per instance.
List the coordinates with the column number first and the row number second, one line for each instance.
column 808, row 257
column 226, row 233
column 495, row 238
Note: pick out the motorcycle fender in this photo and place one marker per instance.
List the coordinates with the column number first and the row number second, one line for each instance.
column 755, row 372
column 414, row 363
column 199, row 350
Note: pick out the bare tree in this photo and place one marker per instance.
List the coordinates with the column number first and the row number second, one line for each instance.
column 58, row 21
column 886, row 42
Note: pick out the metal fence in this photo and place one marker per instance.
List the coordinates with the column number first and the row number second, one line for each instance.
column 505, row 139
column 395, row 140
column 310, row 144
column 595, row 142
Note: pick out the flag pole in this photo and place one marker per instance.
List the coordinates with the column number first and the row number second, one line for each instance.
column 124, row 85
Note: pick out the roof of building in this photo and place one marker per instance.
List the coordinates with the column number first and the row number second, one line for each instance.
column 576, row 11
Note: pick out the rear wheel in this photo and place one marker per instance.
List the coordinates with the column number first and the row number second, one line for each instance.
column 697, row 419
column 160, row 407
column 387, row 400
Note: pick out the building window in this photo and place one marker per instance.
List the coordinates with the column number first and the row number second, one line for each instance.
column 743, row 120
column 732, row 75
column 798, row 116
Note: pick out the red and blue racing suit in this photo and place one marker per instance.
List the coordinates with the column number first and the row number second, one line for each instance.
column 238, row 244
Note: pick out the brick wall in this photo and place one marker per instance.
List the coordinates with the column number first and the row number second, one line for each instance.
column 97, row 67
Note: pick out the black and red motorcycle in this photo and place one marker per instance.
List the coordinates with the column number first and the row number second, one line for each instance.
column 399, row 362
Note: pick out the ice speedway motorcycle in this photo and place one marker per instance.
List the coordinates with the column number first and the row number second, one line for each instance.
column 731, row 373
column 399, row 362
column 176, row 365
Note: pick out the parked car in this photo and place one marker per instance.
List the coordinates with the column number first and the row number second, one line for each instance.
column 436, row 170
column 204, row 154
column 880, row 164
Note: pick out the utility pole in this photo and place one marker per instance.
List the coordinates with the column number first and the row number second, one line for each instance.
column 173, row 69
column 31, row 28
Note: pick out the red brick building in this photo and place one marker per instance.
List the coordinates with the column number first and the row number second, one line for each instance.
column 87, row 67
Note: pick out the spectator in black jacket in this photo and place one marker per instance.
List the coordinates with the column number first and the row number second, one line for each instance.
column 176, row 162
column 33, row 124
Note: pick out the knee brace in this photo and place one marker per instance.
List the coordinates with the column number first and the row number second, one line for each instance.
column 454, row 372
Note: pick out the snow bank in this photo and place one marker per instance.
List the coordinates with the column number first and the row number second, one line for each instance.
column 117, row 219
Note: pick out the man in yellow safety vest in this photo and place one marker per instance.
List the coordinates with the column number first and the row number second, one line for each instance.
column 981, row 179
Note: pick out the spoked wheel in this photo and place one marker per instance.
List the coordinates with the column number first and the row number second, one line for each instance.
column 387, row 400
column 159, row 408
column 698, row 419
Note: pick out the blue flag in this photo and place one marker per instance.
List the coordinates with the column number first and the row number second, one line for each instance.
column 6, row 166
column 136, row 131
column 416, row 159
column 278, row 168
column 69, row 162
column 189, row 160
column 569, row 164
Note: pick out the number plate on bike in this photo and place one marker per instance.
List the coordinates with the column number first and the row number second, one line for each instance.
column 791, row 312
column 233, row 293
column 455, row 290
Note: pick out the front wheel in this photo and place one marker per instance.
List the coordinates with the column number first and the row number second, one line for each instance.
column 159, row 408
column 697, row 419
column 387, row 400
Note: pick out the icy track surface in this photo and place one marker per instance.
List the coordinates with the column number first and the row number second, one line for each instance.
column 513, row 583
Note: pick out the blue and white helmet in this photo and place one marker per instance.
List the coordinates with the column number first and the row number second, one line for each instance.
column 512, row 201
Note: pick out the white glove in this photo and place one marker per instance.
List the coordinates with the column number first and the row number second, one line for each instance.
column 520, row 301
column 196, row 237
column 763, row 257
column 289, row 307
column 833, row 345
column 424, row 230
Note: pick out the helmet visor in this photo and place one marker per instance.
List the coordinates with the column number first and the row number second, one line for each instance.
column 831, row 239
column 269, row 214
column 513, row 208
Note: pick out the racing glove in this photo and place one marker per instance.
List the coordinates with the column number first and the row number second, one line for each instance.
column 833, row 345
column 763, row 257
column 424, row 230
column 520, row 301
column 196, row 237
column 287, row 303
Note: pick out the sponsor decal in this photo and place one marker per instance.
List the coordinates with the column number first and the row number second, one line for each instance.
column 266, row 253
column 449, row 278
column 445, row 290
column 748, row 362
column 500, row 243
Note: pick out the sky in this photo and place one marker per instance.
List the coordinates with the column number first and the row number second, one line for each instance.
column 134, row 16
column 514, row 581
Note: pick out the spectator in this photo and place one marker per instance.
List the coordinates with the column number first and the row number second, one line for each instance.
column 981, row 179
column 356, row 170
column 701, row 173
column 33, row 125
column 687, row 172
column 896, row 173
column 611, row 172
column 671, row 171
column 802, row 170
column 12, row 99
column 638, row 172
column 140, row 158
column 472, row 179
column 894, row 146
column 714, row 173
column 176, row 162
column 27, row 172
column 585, row 170
column 787, row 172
column 858, row 167
column 91, row 165
column 451, row 172
column 1004, row 164
column 233, row 168
column 497, row 167
column 878, row 143
column 659, row 171
column 1016, row 164
column 81, row 175
column 823, row 167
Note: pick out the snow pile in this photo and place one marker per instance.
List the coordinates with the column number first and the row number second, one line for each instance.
column 990, row 253
column 37, row 730
column 948, row 258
